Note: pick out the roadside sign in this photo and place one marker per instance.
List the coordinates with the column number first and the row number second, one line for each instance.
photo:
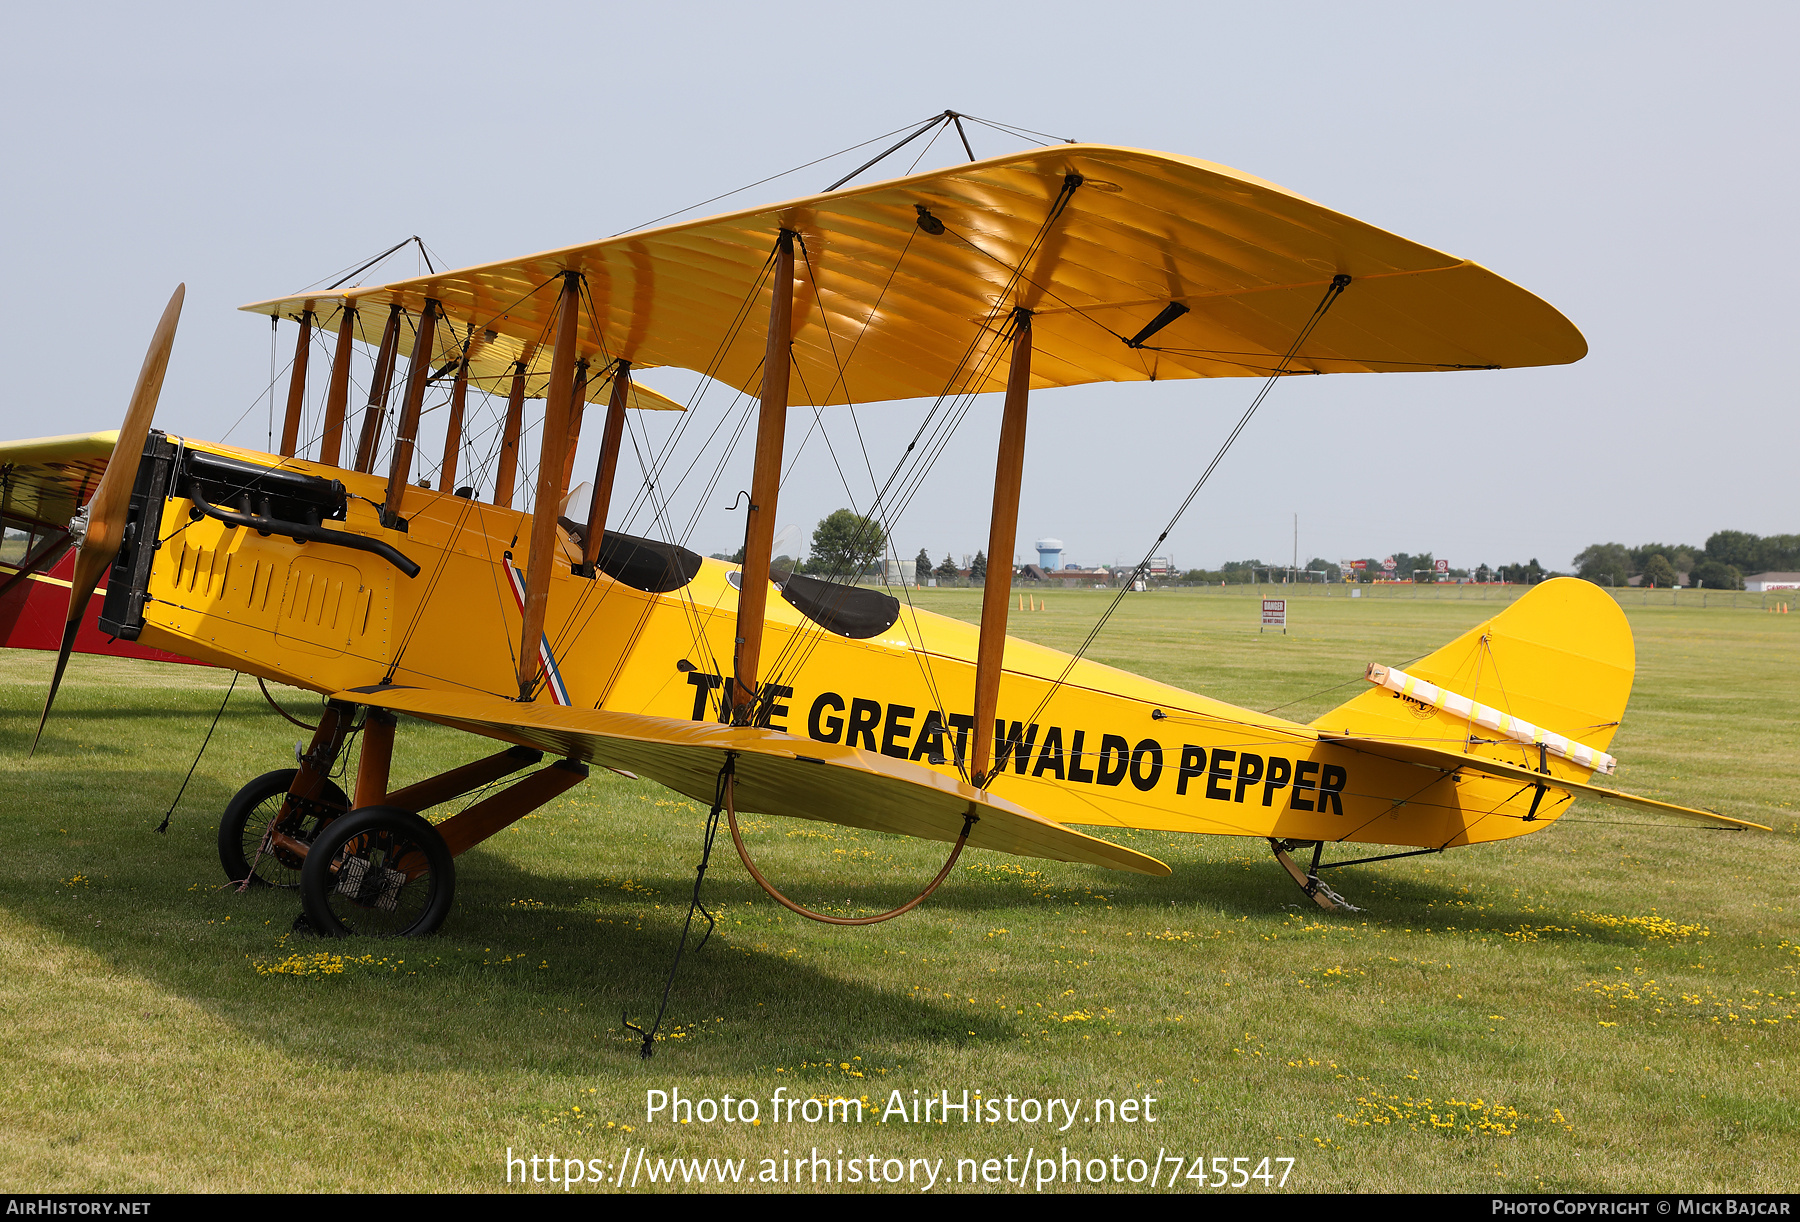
column 1443, row 566
column 1274, row 614
column 1388, row 564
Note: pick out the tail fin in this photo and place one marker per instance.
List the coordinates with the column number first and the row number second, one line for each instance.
column 1561, row 657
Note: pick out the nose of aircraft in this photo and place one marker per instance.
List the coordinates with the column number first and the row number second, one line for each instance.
column 99, row 526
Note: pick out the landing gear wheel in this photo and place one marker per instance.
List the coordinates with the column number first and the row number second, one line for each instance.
column 248, row 818
column 380, row 872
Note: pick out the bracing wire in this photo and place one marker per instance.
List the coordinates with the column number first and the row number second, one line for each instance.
column 1338, row 285
column 960, row 402
column 771, row 178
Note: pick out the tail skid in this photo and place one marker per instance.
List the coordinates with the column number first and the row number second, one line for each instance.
column 1309, row 880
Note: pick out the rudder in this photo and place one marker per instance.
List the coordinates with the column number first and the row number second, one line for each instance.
column 1561, row 657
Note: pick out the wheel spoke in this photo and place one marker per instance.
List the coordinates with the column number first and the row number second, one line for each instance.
column 381, row 872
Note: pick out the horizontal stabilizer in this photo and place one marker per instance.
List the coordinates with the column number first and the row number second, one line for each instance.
column 776, row 773
column 1450, row 761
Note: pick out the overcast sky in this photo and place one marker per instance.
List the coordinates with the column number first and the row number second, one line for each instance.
column 1633, row 164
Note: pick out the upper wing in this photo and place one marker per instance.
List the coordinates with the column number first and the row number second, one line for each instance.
column 889, row 308
column 1450, row 761
column 776, row 773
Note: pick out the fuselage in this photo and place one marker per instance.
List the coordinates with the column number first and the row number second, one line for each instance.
column 1079, row 742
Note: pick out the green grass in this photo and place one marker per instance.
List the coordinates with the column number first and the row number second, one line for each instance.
column 1619, row 1006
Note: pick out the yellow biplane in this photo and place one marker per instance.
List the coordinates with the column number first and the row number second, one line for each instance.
column 330, row 567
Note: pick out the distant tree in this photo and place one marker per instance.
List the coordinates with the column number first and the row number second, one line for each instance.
column 1750, row 553
column 845, row 543
column 946, row 572
column 978, row 568
column 1332, row 572
column 1529, row 573
column 1483, row 573
column 1604, row 564
column 922, row 566
column 1716, row 576
column 1736, row 548
column 1779, row 553
column 1659, row 573
column 1679, row 555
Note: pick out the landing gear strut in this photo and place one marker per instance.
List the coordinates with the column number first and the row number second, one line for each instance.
column 1309, row 880
column 372, row 865
column 265, row 830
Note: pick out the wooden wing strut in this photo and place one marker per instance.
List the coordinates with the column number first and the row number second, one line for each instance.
column 549, row 483
column 765, row 485
column 996, row 594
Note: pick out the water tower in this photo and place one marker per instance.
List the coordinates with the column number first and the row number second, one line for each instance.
column 1049, row 554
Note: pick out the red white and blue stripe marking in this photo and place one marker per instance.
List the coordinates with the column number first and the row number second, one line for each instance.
column 558, row 693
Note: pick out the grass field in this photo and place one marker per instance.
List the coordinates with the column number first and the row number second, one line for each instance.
column 1600, row 1006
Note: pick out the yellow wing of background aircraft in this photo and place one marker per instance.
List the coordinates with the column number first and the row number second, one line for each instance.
column 329, row 566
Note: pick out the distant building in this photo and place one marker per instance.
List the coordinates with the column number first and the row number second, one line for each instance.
column 1772, row 581
column 891, row 572
column 1075, row 578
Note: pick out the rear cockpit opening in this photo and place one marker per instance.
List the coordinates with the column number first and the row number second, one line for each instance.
column 850, row 611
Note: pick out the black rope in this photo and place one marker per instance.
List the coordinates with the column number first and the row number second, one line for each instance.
column 163, row 827
column 694, row 905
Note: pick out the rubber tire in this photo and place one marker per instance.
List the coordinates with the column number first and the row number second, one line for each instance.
column 234, row 854
column 384, row 828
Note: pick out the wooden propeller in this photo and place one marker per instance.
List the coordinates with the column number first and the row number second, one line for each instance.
column 99, row 526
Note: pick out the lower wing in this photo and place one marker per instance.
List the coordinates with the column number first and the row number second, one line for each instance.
column 775, row 773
